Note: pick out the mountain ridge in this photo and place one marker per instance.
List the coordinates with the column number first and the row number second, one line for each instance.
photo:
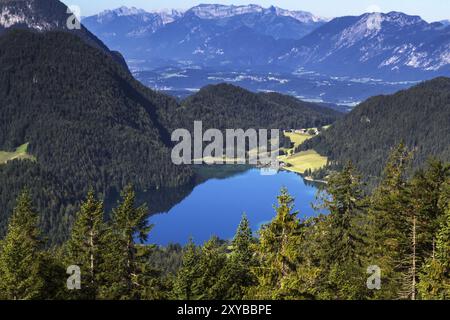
column 48, row 15
column 155, row 38
column 390, row 46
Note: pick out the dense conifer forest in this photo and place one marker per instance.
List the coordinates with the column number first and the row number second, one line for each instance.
column 93, row 132
column 420, row 117
column 87, row 123
column 90, row 124
column 226, row 106
column 401, row 229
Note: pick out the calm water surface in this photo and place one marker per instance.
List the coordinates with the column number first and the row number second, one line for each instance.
column 215, row 207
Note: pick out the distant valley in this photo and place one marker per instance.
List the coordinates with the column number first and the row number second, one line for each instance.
column 340, row 61
column 341, row 93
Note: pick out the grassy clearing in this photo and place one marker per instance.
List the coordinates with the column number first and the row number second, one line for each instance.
column 295, row 162
column 297, row 138
column 20, row 153
column 302, row 161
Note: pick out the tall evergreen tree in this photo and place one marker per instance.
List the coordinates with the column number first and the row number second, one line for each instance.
column 343, row 245
column 422, row 210
column 277, row 251
column 212, row 282
column 344, row 202
column 390, row 226
column 435, row 278
column 427, row 190
column 20, row 255
column 85, row 245
column 241, row 262
column 128, row 224
column 186, row 282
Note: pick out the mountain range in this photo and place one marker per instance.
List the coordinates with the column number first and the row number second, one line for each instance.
column 205, row 34
column 391, row 46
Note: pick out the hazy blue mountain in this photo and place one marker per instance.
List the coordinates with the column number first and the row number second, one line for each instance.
column 393, row 45
column 276, row 22
column 206, row 34
column 122, row 28
column 205, row 42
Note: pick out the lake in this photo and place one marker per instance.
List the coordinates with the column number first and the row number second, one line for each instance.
column 215, row 206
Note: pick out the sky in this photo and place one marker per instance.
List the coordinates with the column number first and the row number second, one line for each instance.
column 430, row 10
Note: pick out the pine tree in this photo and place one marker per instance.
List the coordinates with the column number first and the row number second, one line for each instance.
column 20, row 256
column 186, row 282
column 54, row 275
column 128, row 223
column 427, row 190
column 344, row 202
column 435, row 278
column 242, row 242
column 342, row 256
column 422, row 212
column 212, row 281
column 390, row 227
column 277, row 251
column 240, row 263
column 85, row 245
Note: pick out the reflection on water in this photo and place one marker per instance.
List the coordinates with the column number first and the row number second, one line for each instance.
column 215, row 203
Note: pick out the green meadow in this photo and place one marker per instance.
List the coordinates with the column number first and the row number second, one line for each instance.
column 20, row 153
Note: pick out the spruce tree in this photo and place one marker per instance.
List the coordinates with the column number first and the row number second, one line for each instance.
column 186, row 282
column 344, row 202
column 390, row 228
column 20, row 255
column 427, row 190
column 435, row 278
column 129, row 224
column 85, row 246
column 240, row 263
column 212, row 281
column 277, row 251
column 423, row 212
column 343, row 243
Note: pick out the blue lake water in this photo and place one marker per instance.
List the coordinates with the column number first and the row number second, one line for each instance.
column 215, row 207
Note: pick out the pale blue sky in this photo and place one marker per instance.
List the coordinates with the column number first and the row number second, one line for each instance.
column 430, row 10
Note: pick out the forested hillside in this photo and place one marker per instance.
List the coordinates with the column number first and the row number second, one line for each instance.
column 226, row 106
column 87, row 121
column 420, row 117
column 48, row 15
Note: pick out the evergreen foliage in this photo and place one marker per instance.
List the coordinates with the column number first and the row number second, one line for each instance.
column 401, row 228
